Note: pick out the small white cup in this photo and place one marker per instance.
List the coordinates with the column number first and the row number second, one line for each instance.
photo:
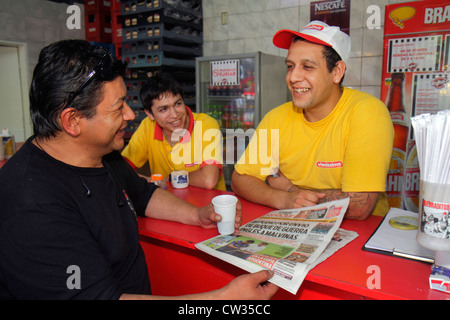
column 225, row 205
column 179, row 179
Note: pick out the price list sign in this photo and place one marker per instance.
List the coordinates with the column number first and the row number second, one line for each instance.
column 415, row 54
column 429, row 93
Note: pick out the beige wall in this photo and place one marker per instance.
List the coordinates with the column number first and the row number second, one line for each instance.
column 36, row 23
column 252, row 24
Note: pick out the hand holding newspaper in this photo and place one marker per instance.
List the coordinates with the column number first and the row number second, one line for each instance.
column 288, row 242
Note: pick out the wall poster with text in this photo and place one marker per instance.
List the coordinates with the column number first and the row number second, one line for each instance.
column 415, row 80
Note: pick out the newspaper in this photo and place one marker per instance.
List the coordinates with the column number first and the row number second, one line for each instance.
column 288, row 242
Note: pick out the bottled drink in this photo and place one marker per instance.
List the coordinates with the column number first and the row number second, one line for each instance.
column 216, row 90
column 412, row 179
column 208, row 110
column 219, row 114
column 214, row 112
column 226, row 117
column 396, row 108
column 233, row 116
column 251, row 116
column 158, row 179
column 400, row 121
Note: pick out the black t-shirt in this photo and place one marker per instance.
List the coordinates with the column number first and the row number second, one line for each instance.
column 68, row 232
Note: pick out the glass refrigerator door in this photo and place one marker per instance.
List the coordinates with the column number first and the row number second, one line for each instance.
column 227, row 91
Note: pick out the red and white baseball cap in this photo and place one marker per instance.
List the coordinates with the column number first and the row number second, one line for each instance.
column 317, row 32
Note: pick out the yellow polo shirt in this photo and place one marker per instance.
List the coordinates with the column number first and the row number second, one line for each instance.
column 349, row 150
column 200, row 146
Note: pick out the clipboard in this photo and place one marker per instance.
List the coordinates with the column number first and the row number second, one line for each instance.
column 396, row 236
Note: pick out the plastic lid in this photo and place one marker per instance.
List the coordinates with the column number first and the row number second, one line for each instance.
column 157, row 177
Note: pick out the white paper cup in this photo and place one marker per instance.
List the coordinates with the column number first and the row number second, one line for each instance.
column 225, row 205
column 179, row 179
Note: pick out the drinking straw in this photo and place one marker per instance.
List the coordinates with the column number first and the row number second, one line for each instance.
column 432, row 133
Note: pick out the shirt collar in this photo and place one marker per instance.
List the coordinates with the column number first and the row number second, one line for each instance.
column 159, row 134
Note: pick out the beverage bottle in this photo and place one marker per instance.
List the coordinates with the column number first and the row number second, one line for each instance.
column 220, row 115
column 158, row 179
column 233, row 116
column 411, row 180
column 214, row 112
column 251, row 116
column 396, row 108
column 240, row 117
column 226, row 117
column 400, row 120
column 234, row 90
column 9, row 144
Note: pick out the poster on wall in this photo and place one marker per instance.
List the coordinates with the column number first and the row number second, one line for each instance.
column 414, row 81
column 332, row 12
column 224, row 73
column 414, row 54
column 426, row 92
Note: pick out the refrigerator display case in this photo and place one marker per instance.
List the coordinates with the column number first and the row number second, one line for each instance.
column 238, row 90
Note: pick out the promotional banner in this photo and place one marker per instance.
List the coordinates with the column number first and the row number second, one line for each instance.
column 332, row 12
column 415, row 80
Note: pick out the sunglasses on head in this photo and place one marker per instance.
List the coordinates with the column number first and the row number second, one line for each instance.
column 105, row 70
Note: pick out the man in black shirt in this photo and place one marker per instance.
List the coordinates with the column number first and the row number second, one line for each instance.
column 70, row 201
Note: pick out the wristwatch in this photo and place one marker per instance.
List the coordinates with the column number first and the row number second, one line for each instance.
column 273, row 175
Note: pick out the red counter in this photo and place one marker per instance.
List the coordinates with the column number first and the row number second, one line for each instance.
column 176, row 267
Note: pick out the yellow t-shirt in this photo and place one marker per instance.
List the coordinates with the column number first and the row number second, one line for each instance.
column 349, row 150
column 200, row 146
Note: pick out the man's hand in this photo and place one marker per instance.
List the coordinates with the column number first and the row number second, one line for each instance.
column 299, row 198
column 252, row 286
column 208, row 218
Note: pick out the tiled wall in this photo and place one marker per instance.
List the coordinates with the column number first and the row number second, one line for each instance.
column 36, row 23
column 252, row 24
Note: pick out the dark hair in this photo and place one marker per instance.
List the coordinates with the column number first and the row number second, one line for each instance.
column 62, row 68
column 156, row 86
column 330, row 55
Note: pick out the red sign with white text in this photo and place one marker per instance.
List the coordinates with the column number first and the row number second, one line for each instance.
column 420, row 16
column 415, row 68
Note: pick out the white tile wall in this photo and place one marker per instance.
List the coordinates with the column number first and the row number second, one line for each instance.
column 252, row 24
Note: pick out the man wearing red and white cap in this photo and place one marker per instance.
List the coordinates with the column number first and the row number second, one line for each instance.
column 333, row 141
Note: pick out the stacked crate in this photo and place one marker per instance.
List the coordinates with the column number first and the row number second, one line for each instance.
column 160, row 36
column 104, row 25
column 116, row 23
column 98, row 21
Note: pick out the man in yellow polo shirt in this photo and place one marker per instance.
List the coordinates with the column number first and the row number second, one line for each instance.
column 172, row 138
column 328, row 143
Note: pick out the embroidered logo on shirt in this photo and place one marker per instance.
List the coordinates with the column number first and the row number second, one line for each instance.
column 329, row 164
